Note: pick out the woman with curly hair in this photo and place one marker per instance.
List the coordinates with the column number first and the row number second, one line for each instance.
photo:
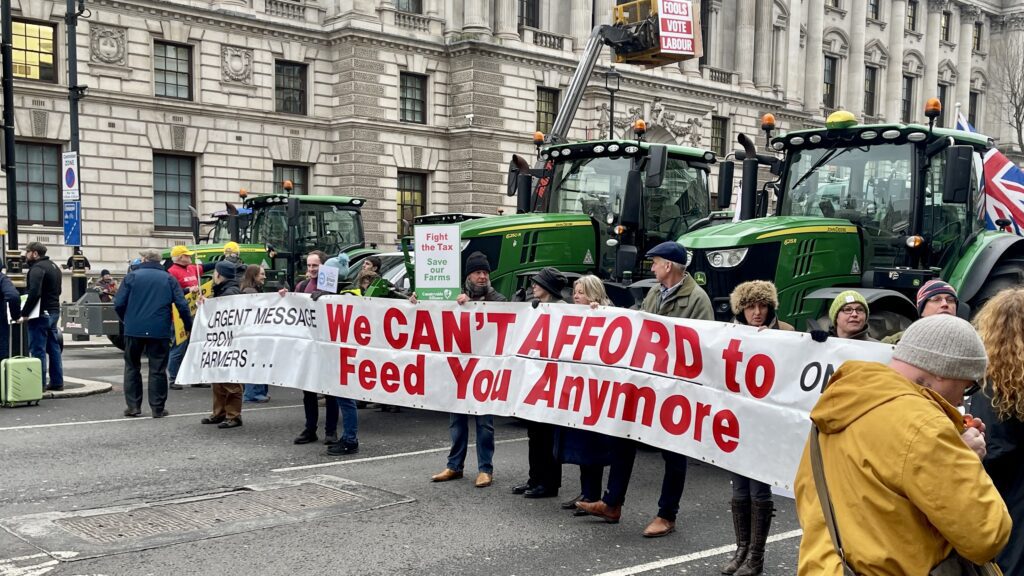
column 1000, row 405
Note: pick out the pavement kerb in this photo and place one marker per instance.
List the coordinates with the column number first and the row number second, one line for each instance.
column 78, row 387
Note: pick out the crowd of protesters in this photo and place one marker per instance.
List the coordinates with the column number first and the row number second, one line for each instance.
column 894, row 479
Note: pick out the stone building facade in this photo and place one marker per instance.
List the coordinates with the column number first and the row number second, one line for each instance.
column 418, row 105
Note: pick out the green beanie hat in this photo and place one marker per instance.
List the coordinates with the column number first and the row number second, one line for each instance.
column 844, row 298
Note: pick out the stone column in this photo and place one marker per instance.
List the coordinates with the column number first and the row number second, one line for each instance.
column 779, row 60
column 794, row 66
column 894, row 74
column 933, row 33
column 580, row 22
column 477, row 19
column 715, row 26
column 763, row 54
column 964, row 50
column 450, row 24
column 745, row 41
column 506, row 19
column 855, row 74
column 815, row 57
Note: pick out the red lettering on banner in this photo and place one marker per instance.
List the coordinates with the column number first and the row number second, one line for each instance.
column 366, row 371
column 682, row 45
column 537, row 339
column 726, row 430
column 631, row 396
column 732, row 357
column 338, row 320
column 543, row 390
column 676, row 8
column 670, row 26
column 389, row 377
column 367, row 374
column 344, row 365
column 587, row 338
column 683, row 369
column 611, row 356
column 562, row 337
column 598, row 393
column 462, row 374
column 487, row 384
column 668, row 414
column 501, row 321
column 764, row 363
column 456, row 333
column 573, row 386
column 392, row 316
column 647, row 346
column 703, row 411
column 423, row 332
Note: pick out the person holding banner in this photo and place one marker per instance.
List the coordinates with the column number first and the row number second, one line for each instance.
column 144, row 304
column 477, row 288
column 849, row 315
column 227, row 398
column 891, row 478
column 676, row 295
column 754, row 304
column 545, row 471
column 187, row 274
column 252, row 283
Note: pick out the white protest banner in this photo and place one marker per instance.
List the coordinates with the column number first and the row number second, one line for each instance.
column 438, row 264
column 676, row 25
column 327, row 279
column 723, row 393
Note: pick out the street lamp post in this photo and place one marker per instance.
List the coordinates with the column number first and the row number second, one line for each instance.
column 611, row 84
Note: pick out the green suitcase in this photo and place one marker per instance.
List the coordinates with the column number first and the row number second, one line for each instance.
column 21, row 380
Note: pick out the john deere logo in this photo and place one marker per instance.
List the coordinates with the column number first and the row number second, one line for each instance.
column 700, row 278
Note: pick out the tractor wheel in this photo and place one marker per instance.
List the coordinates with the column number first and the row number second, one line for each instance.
column 1008, row 273
column 116, row 340
column 886, row 322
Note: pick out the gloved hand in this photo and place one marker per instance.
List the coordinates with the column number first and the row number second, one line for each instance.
column 819, row 335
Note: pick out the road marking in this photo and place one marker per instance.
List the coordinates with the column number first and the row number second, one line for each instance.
column 8, row 566
column 640, row 568
column 385, row 457
column 139, row 419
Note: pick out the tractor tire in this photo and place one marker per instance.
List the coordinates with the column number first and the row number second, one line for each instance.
column 886, row 322
column 1007, row 273
column 116, row 340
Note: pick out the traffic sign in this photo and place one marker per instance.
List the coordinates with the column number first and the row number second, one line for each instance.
column 72, row 223
column 69, row 179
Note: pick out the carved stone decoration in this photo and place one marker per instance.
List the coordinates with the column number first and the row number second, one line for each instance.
column 677, row 126
column 107, row 44
column 39, row 123
column 178, row 137
column 295, row 149
column 236, row 64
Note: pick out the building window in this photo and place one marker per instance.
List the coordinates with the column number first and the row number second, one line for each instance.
column 34, row 54
column 830, row 79
column 173, row 191
column 412, row 198
column 290, row 87
column 944, row 25
column 298, row 175
column 705, row 32
column 38, row 184
column 832, row 3
column 912, row 15
column 720, row 135
column 907, row 100
column 547, row 108
column 411, row 6
column 941, row 120
column 870, row 91
column 979, row 27
column 172, row 69
column 529, row 13
column 874, row 9
column 973, row 110
column 413, row 98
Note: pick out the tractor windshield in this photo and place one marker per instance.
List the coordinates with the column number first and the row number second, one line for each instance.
column 868, row 185
column 320, row 227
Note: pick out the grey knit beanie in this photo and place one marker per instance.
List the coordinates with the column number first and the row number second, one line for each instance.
column 945, row 346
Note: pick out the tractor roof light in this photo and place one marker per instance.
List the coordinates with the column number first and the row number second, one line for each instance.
column 796, row 141
column 620, row 230
column 538, row 138
column 243, row 193
column 287, row 185
column 639, row 127
column 840, row 119
column 932, row 108
column 768, row 122
column 891, row 134
column 915, row 241
column 917, row 136
column 779, row 145
column 868, row 135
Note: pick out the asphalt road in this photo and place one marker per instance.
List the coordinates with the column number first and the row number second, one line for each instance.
column 77, row 482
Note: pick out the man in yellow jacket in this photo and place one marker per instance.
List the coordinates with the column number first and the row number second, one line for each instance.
column 904, row 475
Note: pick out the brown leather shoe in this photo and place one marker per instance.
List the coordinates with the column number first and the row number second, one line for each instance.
column 659, row 527
column 483, row 480
column 610, row 514
column 445, row 476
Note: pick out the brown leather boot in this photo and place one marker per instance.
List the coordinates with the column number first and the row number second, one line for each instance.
column 741, row 526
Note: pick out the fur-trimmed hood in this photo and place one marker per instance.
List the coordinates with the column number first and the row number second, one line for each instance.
column 753, row 292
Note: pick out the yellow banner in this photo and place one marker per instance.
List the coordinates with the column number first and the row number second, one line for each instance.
column 205, row 290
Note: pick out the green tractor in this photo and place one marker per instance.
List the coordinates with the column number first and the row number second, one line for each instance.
column 878, row 208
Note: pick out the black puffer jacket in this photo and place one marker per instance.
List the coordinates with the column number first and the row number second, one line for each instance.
column 228, row 287
column 43, row 286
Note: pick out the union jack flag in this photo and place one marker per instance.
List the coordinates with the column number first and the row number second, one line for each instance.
column 1003, row 185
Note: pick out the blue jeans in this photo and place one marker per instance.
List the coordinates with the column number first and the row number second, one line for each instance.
column 672, row 484
column 458, row 426
column 255, row 392
column 349, row 420
column 174, row 360
column 43, row 341
column 349, row 415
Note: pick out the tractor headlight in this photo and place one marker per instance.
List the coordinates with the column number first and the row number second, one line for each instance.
column 727, row 258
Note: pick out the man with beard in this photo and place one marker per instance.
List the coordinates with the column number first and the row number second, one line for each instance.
column 44, row 281
column 478, row 289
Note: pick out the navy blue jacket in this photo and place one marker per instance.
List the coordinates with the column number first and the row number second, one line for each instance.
column 144, row 303
column 11, row 298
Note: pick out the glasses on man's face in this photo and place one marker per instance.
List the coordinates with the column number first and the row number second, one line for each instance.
column 851, row 310
column 972, row 389
column 942, row 299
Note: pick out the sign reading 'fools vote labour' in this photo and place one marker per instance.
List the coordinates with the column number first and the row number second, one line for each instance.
column 724, row 393
column 675, row 21
column 438, row 262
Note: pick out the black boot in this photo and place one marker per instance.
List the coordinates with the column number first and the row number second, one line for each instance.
column 741, row 526
column 763, row 512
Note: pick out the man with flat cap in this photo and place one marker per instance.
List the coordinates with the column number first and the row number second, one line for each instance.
column 900, row 465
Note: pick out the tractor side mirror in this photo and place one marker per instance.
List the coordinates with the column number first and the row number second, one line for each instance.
column 657, row 162
column 632, row 201
column 625, row 260
column 957, row 175
column 725, row 171
column 517, row 167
